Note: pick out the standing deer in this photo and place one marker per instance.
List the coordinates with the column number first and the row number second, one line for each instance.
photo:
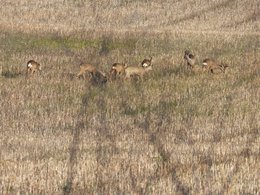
column 117, row 70
column 212, row 66
column 96, row 77
column 32, row 67
column 137, row 71
column 86, row 68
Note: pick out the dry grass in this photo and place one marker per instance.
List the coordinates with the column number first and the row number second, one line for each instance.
column 68, row 16
column 176, row 132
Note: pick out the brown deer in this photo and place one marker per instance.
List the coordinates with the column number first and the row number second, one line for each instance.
column 131, row 71
column 117, row 70
column 86, row 68
column 32, row 67
column 212, row 66
column 96, row 77
column 190, row 59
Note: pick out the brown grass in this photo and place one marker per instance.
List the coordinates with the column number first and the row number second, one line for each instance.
column 73, row 16
column 175, row 132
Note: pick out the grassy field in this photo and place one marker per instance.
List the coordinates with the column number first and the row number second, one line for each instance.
column 175, row 132
column 70, row 16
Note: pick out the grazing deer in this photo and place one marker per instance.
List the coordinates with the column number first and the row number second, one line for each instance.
column 212, row 66
column 117, row 70
column 137, row 71
column 190, row 59
column 96, row 77
column 86, row 68
column 147, row 62
column 33, row 67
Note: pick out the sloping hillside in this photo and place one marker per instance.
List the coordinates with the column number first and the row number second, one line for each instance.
column 69, row 15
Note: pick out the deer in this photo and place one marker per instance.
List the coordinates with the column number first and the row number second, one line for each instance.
column 131, row 71
column 190, row 59
column 32, row 67
column 147, row 62
column 96, row 77
column 211, row 65
column 86, row 68
column 117, row 70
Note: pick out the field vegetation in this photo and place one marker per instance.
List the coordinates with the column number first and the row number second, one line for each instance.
column 174, row 132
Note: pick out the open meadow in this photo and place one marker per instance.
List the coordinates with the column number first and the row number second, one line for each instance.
column 176, row 131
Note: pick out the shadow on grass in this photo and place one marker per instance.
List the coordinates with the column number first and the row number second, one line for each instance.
column 11, row 74
column 203, row 11
column 94, row 97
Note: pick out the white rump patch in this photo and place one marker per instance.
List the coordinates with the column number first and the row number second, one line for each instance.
column 205, row 63
column 29, row 65
column 145, row 64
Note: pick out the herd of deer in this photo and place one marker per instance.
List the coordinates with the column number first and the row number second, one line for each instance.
column 123, row 71
column 209, row 65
